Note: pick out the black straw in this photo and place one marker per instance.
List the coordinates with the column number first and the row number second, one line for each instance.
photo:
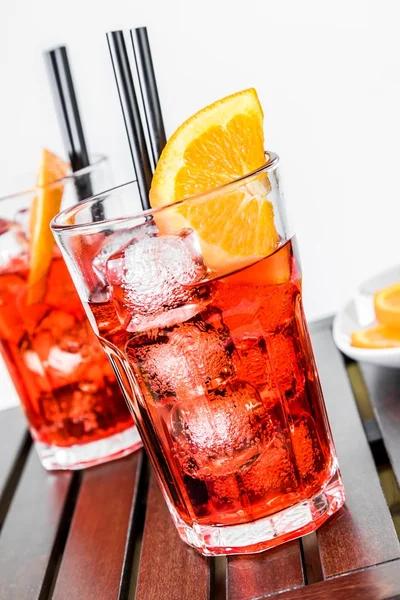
column 148, row 87
column 130, row 110
column 69, row 117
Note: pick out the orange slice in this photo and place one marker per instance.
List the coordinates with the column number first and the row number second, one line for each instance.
column 45, row 206
column 387, row 306
column 219, row 144
column 378, row 336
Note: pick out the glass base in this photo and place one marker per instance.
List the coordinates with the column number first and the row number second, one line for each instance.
column 88, row 455
column 286, row 525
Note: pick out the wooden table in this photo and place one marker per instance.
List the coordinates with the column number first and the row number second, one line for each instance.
column 105, row 533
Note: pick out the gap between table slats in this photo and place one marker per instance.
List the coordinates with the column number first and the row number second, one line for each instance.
column 362, row 532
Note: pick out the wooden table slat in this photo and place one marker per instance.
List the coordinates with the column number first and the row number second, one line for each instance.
column 375, row 583
column 30, row 530
column 93, row 558
column 13, row 434
column 383, row 386
column 362, row 532
column 270, row 572
column 169, row 569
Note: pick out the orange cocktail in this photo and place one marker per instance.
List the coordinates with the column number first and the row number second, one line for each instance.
column 198, row 304
column 75, row 410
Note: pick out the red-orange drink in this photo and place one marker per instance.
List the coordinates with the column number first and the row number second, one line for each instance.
column 230, row 400
column 75, row 411
column 198, row 305
column 63, row 377
column 74, row 407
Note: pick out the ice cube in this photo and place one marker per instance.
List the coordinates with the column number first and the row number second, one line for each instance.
column 222, row 435
column 309, row 450
column 13, row 246
column 154, row 275
column 254, row 359
column 33, row 362
column 272, row 473
column 63, row 362
column 22, row 218
column 287, row 356
column 4, row 226
column 64, row 347
column 187, row 360
column 115, row 242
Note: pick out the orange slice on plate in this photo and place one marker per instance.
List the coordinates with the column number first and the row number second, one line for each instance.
column 216, row 146
column 387, row 306
column 45, row 206
column 378, row 337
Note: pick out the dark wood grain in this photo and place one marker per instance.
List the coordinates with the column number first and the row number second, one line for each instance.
column 92, row 564
column 375, row 583
column 30, row 531
column 383, row 386
column 13, row 435
column 169, row 569
column 257, row 575
column 362, row 532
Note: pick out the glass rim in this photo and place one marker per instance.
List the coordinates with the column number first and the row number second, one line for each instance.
column 97, row 160
column 57, row 226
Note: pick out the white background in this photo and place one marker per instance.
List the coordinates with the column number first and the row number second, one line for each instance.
column 328, row 76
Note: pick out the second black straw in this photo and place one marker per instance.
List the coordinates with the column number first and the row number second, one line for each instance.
column 131, row 113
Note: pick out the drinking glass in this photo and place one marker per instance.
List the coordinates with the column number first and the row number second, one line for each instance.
column 214, row 358
column 75, row 410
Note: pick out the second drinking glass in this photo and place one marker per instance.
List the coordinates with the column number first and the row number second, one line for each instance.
column 75, row 410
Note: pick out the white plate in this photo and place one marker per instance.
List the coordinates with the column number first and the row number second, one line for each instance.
column 359, row 313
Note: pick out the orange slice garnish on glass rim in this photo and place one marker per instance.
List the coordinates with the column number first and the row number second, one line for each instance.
column 216, row 146
column 46, row 204
column 376, row 337
column 387, row 306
